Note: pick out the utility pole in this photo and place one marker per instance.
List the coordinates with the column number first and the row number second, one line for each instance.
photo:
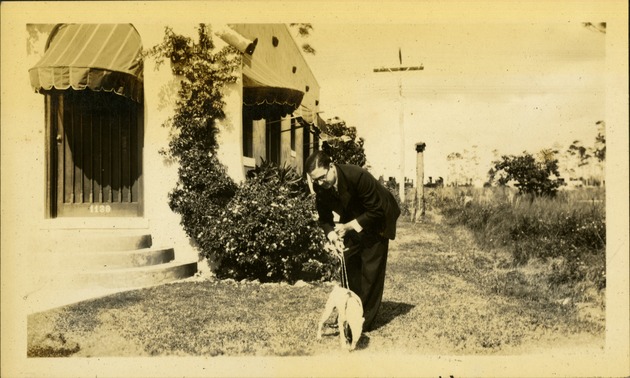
column 418, row 202
column 400, row 69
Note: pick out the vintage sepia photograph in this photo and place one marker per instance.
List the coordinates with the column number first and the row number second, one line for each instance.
column 418, row 189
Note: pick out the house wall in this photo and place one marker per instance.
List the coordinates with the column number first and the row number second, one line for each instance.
column 22, row 174
column 282, row 58
column 160, row 175
column 27, row 233
column 23, row 143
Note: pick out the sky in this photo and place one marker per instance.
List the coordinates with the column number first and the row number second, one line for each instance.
column 495, row 88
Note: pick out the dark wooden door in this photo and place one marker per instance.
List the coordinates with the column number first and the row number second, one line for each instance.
column 97, row 150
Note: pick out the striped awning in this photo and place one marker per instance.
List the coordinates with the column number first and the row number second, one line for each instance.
column 101, row 57
column 266, row 93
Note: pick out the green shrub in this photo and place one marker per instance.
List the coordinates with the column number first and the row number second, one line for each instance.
column 203, row 187
column 269, row 232
column 530, row 176
column 262, row 229
column 203, row 191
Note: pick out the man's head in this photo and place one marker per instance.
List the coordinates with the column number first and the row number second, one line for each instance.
column 321, row 170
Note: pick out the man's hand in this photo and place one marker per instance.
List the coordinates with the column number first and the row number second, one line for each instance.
column 332, row 236
column 335, row 244
column 342, row 228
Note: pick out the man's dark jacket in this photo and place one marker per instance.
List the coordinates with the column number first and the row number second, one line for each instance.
column 361, row 197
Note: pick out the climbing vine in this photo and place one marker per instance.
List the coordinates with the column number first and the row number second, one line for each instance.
column 203, row 188
column 262, row 229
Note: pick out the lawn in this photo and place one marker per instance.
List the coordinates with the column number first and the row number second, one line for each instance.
column 441, row 297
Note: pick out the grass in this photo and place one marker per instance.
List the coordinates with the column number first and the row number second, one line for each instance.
column 193, row 318
column 568, row 232
column 443, row 295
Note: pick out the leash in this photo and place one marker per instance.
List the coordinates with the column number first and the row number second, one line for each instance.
column 339, row 248
column 344, row 283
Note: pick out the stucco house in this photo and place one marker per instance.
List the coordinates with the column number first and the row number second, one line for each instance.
column 91, row 186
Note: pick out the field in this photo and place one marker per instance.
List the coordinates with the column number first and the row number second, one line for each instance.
column 449, row 290
column 566, row 233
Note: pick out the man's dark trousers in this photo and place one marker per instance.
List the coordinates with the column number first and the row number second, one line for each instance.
column 366, row 260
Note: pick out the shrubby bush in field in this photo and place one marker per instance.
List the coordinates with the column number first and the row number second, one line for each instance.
column 529, row 175
column 269, row 232
column 569, row 234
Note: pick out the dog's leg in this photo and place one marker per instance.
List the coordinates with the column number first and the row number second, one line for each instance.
column 354, row 316
column 343, row 323
column 356, row 328
column 328, row 309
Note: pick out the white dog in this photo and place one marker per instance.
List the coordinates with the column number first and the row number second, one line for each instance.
column 350, row 316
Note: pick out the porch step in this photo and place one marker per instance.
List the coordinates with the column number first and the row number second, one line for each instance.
column 116, row 259
column 127, row 278
column 80, row 265
column 71, row 287
column 135, row 277
column 91, row 241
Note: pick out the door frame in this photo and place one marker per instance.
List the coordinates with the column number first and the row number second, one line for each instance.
column 53, row 102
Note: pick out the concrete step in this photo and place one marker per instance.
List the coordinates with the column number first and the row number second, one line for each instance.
column 142, row 276
column 77, row 265
column 76, row 241
column 136, row 277
column 115, row 259
column 78, row 288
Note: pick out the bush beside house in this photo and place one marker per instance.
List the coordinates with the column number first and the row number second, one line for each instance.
column 263, row 228
column 269, row 231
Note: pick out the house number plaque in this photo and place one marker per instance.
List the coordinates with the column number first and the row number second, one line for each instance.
column 100, row 209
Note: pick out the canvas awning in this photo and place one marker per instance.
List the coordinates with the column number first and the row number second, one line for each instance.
column 267, row 93
column 101, row 57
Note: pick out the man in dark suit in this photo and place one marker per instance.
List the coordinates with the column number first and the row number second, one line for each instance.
column 367, row 221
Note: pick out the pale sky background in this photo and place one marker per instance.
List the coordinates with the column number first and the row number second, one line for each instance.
column 510, row 87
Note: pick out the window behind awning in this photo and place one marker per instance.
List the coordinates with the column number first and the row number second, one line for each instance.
column 100, row 57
